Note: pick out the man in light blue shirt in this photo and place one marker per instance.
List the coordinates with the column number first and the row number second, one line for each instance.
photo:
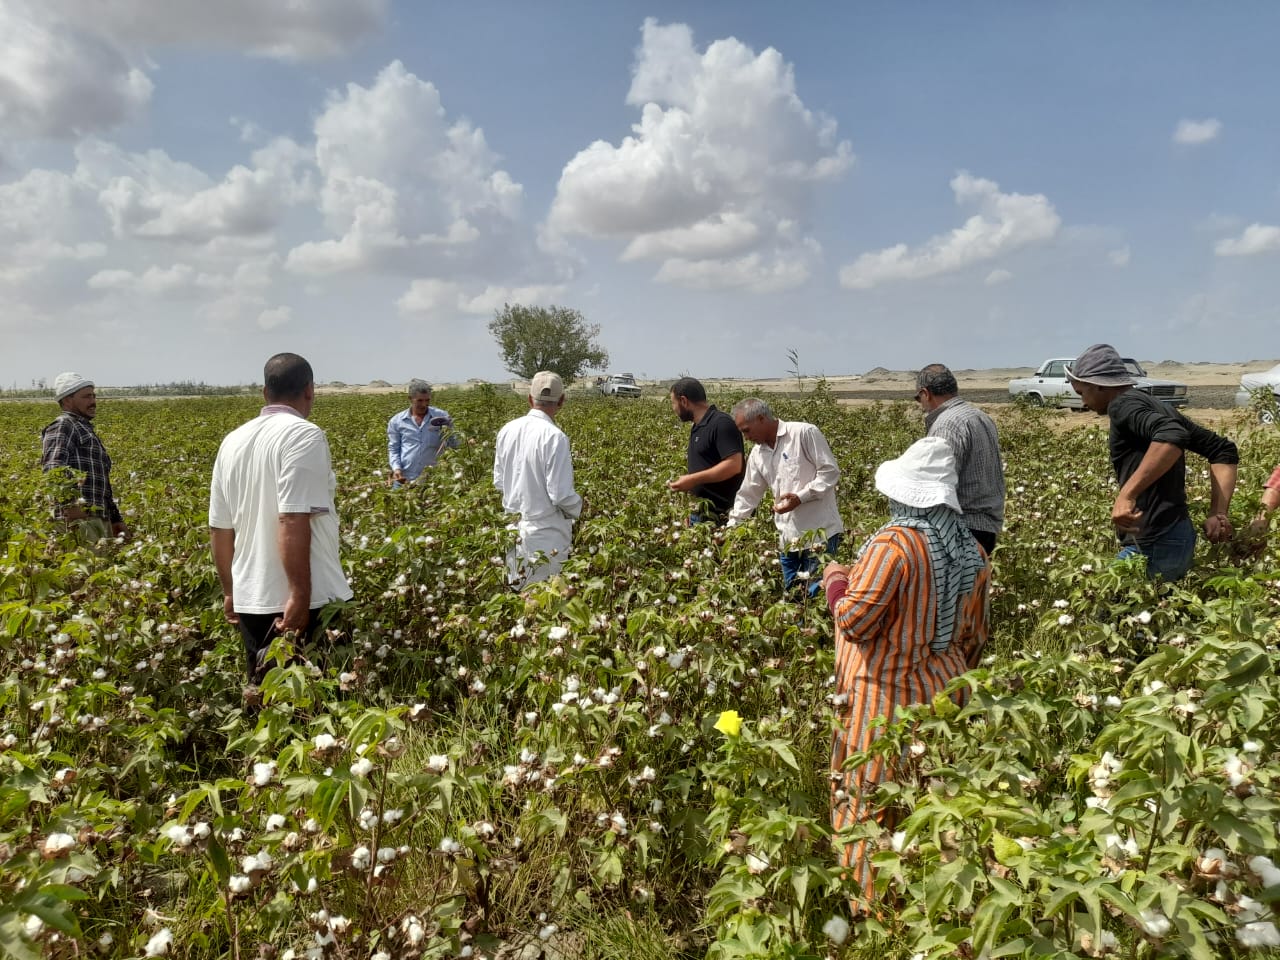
column 416, row 436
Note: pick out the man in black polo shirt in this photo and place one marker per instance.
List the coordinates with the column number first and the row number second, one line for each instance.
column 716, row 462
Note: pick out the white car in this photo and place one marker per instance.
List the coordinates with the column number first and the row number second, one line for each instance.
column 1250, row 383
column 618, row 385
column 1049, row 386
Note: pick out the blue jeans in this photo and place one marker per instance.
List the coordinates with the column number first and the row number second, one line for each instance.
column 1170, row 556
column 806, row 561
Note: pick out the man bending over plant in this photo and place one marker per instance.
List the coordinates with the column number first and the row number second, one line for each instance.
column 1148, row 444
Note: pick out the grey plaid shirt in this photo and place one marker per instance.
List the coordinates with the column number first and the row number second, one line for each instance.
column 972, row 436
column 71, row 442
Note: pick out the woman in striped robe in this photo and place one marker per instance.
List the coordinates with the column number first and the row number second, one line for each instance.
column 910, row 615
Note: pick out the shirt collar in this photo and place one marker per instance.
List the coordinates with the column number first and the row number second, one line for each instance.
column 540, row 415
column 933, row 415
column 711, row 408
column 273, row 408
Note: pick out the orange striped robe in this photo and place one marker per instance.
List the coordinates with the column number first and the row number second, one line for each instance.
column 883, row 625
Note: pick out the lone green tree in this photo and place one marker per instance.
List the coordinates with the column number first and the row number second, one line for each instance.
column 547, row 338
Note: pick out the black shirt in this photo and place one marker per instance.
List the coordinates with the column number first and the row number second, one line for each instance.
column 713, row 439
column 1139, row 420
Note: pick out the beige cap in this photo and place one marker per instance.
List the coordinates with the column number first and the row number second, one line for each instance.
column 546, row 386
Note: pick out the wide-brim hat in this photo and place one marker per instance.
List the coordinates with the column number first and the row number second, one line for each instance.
column 1101, row 366
column 924, row 476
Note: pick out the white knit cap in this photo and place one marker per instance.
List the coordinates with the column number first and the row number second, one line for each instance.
column 924, row 476
column 65, row 384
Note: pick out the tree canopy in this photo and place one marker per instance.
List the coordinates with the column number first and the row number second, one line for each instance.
column 547, row 338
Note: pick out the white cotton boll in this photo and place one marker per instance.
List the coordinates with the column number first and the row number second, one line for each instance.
column 33, row 926
column 1113, row 702
column 367, row 819
column 1144, row 617
column 1251, row 746
column 239, row 883
column 437, row 763
column 1065, row 619
column 1260, row 933
column 179, row 835
column 56, row 844
column 1265, row 870
column 361, row 858
column 1249, row 909
column 275, row 821
column 757, row 864
column 1061, row 604
column 1155, row 923
column 450, row 846
column 362, row 767
column 325, row 741
column 547, row 932
column 159, row 944
column 837, row 930
column 263, row 773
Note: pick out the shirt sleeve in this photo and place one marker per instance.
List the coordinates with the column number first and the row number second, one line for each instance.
column 1212, row 446
column 1149, row 422
column 728, row 440
column 220, row 516
column 393, row 444
column 873, row 582
column 53, row 445
column 560, row 478
column 303, row 484
column 826, row 471
column 751, row 492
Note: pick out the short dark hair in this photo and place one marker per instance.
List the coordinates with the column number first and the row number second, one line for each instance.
column 938, row 380
column 689, row 388
column 285, row 376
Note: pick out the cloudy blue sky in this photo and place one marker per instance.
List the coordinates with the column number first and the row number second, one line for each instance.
column 188, row 187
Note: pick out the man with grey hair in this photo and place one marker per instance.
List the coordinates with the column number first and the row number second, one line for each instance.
column 974, row 440
column 793, row 460
column 416, row 436
column 71, row 444
column 533, row 471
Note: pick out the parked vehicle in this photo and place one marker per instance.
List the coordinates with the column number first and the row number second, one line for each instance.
column 618, row 385
column 1251, row 383
column 1049, row 386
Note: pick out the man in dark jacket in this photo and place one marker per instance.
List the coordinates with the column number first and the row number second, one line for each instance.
column 1148, row 444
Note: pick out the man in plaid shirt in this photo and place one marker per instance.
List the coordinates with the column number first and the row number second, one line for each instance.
column 70, row 442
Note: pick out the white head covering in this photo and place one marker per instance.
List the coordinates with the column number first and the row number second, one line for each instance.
column 924, row 476
column 65, row 384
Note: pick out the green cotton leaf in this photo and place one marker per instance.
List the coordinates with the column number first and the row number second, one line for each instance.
column 1239, row 834
column 219, row 861
column 800, row 884
column 13, row 942
column 1248, row 664
column 782, row 750
column 52, row 909
column 1006, row 850
column 328, row 799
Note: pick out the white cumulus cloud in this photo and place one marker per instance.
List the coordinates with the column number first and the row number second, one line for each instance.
column 431, row 296
column 1256, row 238
column 404, row 189
column 293, row 30
column 1005, row 222
column 59, row 80
column 997, row 277
column 1195, row 132
column 274, row 317
column 719, row 173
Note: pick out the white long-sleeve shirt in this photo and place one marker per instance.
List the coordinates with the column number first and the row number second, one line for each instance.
column 800, row 462
column 533, row 470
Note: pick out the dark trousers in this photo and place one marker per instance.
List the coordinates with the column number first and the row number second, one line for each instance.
column 258, row 630
column 986, row 539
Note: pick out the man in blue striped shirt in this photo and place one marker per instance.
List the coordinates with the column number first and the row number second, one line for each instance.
column 416, row 436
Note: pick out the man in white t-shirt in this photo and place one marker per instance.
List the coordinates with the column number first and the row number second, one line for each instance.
column 533, row 471
column 272, row 522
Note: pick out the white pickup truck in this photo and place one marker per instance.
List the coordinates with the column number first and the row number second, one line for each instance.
column 618, row 385
column 1049, row 386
